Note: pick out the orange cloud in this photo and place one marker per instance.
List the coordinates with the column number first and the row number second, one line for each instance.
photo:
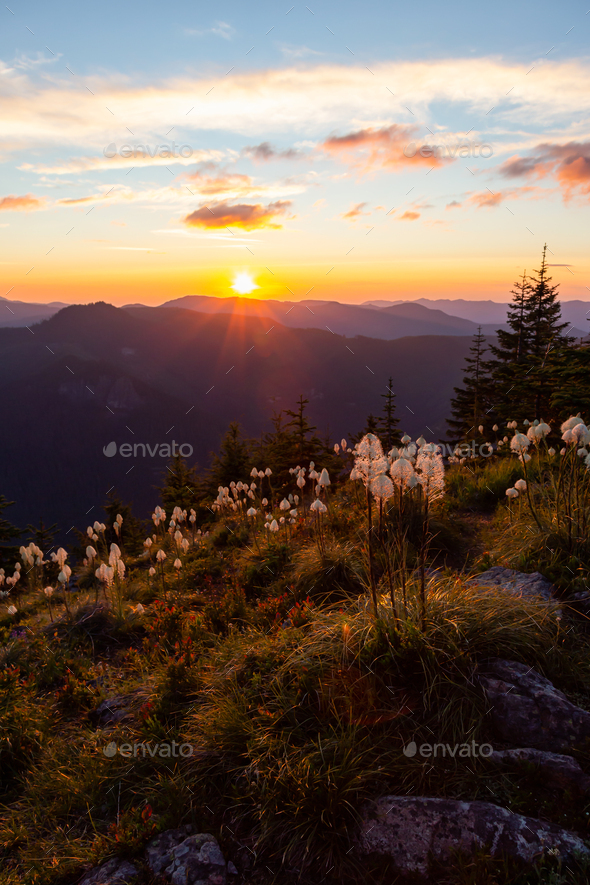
column 409, row 216
column 355, row 212
column 569, row 163
column 21, row 204
column 248, row 216
column 489, row 199
column 370, row 149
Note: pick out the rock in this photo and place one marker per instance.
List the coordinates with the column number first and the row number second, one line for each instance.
column 410, row 829
column 108, row 712
column 113, row 872
column 528, row 711
column 186, row 859
column 231, row 869
column 557, row 771
column 516, row 583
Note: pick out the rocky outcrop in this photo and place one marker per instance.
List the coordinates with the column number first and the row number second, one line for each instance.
column 113, row 872
column 527, row 710
column 533, row 586
column 179, row 857
column 185, row 859
column 557, row 771
column 410, row 830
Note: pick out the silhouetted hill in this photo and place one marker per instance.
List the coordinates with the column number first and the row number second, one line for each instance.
column 94, row 375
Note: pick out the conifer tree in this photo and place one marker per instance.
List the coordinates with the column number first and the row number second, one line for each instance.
column 388, row 423
column 470, row 403
column 233, row 462
column 132, row 532
column 371, row 426
column 181, row 486
column 8, row 532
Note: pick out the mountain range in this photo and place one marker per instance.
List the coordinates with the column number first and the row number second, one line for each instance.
column 93, row 378
column 376, row 319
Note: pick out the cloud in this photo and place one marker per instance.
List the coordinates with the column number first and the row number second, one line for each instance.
column 370, row 149
column 568, row 163
column 247, row 216
column 265, row 151
column 305, row 103
column 409, row 216
column 27, row 203
column 295, row 52
column 454, row 204
column 489, row 199
column 28, row 63
column 220, row 29
column 355, row 212
column 138, row 157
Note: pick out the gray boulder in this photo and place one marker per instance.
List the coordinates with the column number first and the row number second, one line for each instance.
column 527, row 710
column 412, row 829
column 186, row 859
column 516, row 583
column 557, row 771
column 113, row 872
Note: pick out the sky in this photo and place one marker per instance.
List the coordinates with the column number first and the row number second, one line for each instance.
column 336, row 151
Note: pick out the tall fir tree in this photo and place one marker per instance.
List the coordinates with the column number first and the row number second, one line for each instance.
column 371, row 426
column 471, row 402
column 233, row 461
column 8, row 532
column 520, row 368
column 181, row 486
column 387, row 423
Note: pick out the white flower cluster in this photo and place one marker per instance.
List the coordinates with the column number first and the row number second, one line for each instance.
column 415, row 464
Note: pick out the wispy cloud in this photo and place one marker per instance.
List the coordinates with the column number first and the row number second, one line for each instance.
column 355, row 211
column 568, row 163
column 247, row 216
column 218, row 29
column 26, row 203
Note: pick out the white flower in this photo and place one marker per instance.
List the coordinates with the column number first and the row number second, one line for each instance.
column 343, row 444
column 251, row 512
column 512, row 493
column 336, row 448
column 268, row 472
column 519, row 442
column 152, row 572
column 319, row 506
column 148, row 543
column 381, row 486
column 160, row 556
column 64, row 575
column 430, row 471
column 495, row 428
column 401, row 472
column 568, row 437
column 91, row 553
column 284, row 505
column 177, row 564
column 406, row 439
column 48, row 591
column 11, row 609
column 274, row 526
column 139, row 609
column 293, row 513
column 551, row 451
column 264, row 502
column 520, row 484
column 60, row 557
column 324, row 479
column 571, row 422
column 120, row 569
column 581, row 434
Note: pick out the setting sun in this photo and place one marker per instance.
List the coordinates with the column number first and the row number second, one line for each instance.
column 243, row 283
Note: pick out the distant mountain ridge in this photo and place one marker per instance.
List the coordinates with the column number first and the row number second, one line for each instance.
column 96, row 377
column 351, row 320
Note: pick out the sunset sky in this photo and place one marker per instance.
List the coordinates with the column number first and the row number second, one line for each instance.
column 307, row 134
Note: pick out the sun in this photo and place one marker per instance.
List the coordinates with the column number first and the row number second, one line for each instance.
column 243, row 283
